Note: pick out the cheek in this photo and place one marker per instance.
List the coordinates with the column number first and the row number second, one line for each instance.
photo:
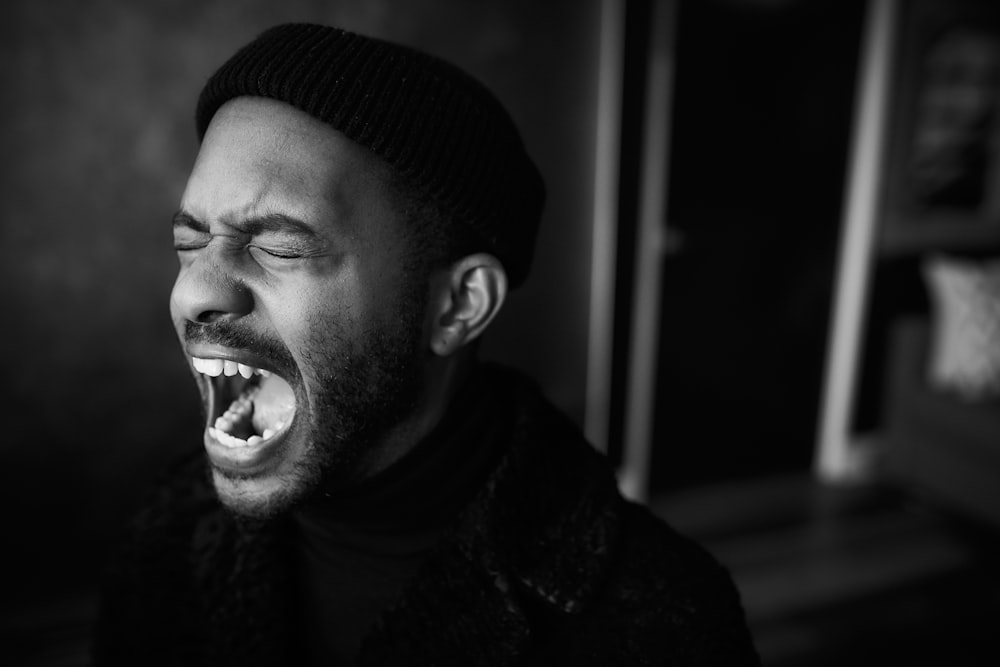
column 315, row 328
column 319, row 316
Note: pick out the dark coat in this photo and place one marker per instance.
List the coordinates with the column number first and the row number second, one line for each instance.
column 548, row 565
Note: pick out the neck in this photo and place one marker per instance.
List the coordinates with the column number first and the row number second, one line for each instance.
column 442, row 379
column 358, row 546
column 434, row 476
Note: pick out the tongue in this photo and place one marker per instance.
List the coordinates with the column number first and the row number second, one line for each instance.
column 273, row 404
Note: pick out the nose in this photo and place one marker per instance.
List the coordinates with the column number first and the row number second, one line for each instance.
column 205, row 292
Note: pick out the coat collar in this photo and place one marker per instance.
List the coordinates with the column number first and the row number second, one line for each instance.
column 539, row 535
column 549, row 514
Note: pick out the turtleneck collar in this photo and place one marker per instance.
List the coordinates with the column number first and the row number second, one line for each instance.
column 357, row 547
column 413, row 501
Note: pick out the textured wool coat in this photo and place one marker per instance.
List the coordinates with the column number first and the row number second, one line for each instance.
column 548, row 565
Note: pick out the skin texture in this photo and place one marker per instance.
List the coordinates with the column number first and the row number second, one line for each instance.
column 293, row 258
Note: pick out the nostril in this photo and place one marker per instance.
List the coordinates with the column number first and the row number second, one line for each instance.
column 209, row 316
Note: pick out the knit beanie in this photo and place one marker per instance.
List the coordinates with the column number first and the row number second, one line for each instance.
column 439, row 128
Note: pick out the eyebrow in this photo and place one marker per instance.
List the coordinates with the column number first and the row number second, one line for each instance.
column 272, row 222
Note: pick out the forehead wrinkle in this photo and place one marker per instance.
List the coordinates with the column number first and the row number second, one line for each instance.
column 334, row 185
column 298, row 166
column 256, row 206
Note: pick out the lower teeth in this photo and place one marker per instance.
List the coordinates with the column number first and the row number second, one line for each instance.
column 238, row 411
column 234, row 441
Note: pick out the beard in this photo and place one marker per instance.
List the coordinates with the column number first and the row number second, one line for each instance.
column 365, row 391
column 363, row 385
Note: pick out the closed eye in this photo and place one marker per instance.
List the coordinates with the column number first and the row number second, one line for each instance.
column 266, row 237
column 189, row 233
column 279, row 253
column 189, row 239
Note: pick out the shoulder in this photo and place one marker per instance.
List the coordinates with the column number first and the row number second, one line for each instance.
column 148, row 594
column 613, row 582
column 662, row 599
column 675, row 594
column 180, row 504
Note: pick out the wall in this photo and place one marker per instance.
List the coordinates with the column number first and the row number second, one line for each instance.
column 97, row 139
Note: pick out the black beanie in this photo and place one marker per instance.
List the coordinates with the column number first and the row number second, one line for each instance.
column 442, row 130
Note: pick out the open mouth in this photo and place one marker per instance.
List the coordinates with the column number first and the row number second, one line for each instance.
column 249, row 406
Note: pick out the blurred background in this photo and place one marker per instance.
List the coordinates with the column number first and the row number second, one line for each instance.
column 767, row 284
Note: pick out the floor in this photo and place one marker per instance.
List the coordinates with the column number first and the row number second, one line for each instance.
column 859, row 575
column 829, row 576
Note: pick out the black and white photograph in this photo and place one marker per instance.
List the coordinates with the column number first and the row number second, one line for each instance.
column 496, row 333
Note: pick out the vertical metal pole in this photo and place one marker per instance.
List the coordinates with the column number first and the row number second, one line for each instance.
column 650, row 245
column 605, row 228
column 835, row 459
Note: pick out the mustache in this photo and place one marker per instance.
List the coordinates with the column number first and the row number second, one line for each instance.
column 237, row 336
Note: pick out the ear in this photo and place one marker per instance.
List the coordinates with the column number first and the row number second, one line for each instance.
column 466, row 298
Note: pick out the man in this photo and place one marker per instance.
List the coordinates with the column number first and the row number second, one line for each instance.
column 354, row 220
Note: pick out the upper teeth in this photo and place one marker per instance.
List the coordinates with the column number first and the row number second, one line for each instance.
column 217, row 367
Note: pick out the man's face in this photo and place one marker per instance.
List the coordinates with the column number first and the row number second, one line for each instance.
column 293, row 306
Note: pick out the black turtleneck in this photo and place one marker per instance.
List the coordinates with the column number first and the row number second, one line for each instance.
column 357, row 547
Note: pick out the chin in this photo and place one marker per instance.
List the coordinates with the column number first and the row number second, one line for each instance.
column 259, row 497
